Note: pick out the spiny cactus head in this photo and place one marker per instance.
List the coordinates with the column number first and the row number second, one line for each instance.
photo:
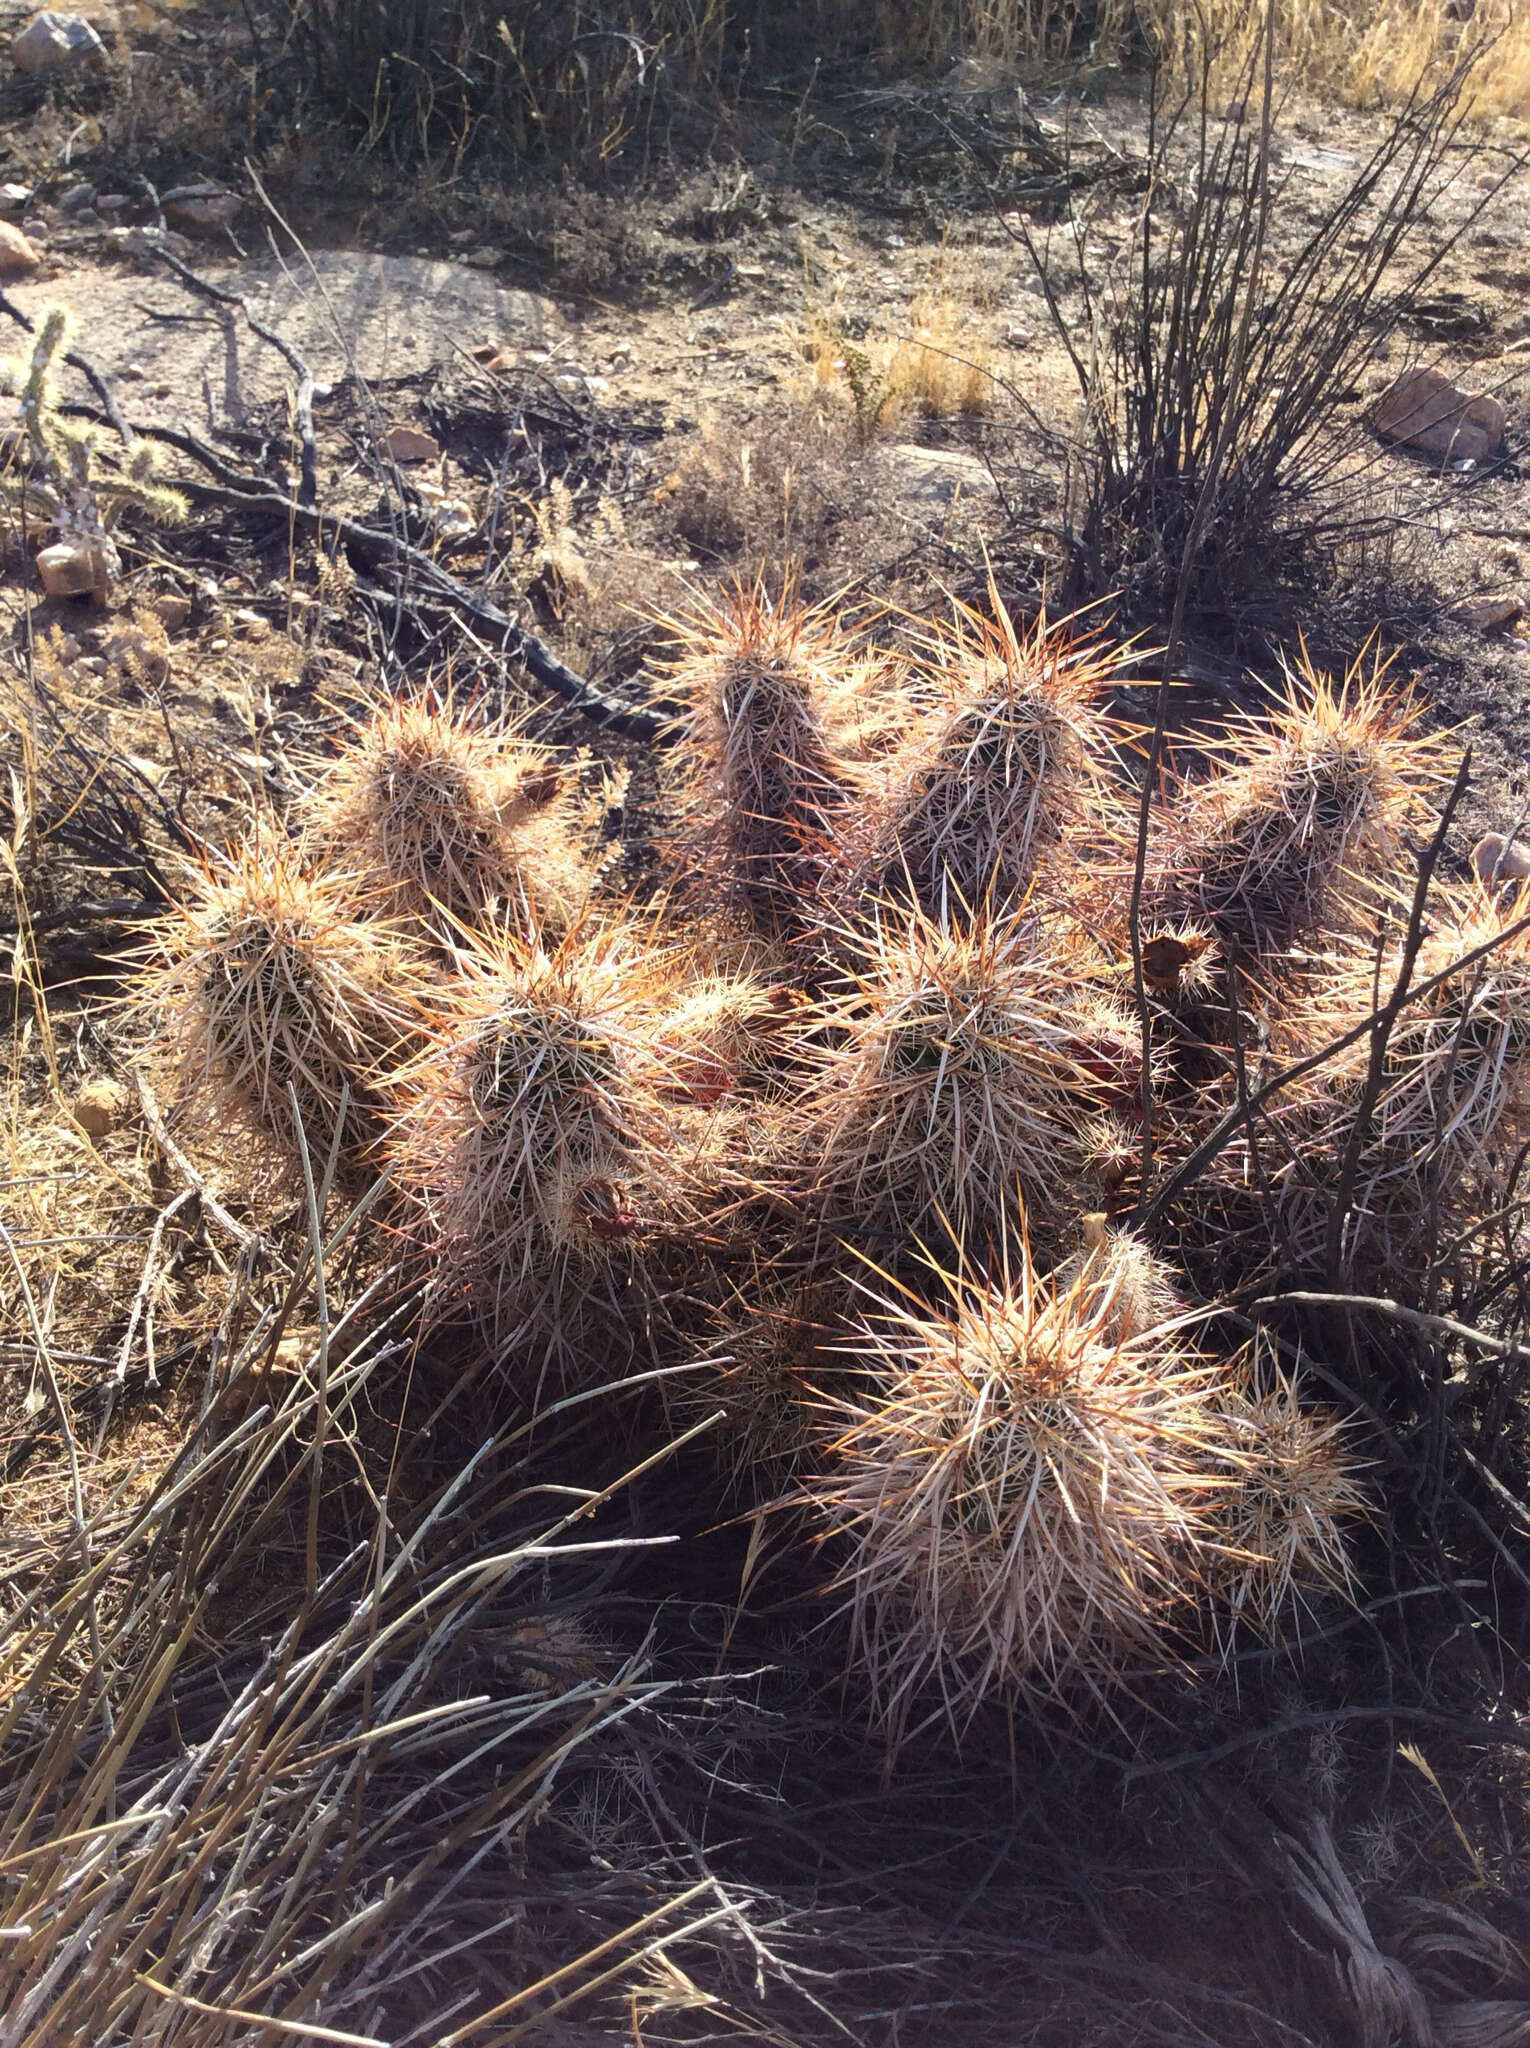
column 1120, row 1281
column 1012, row 750
column 1297, row 1490
column 1322, row 787
column 266, row 983
column 968, row 1060
column 452, row 817
column 1023, row 1494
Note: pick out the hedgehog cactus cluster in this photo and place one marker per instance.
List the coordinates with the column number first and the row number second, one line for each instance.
column 842, row 1129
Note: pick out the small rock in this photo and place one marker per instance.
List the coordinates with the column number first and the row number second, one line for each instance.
column 112, row 202
column 217, row 647
column 450, row 519
column 134, row 372
column 93, row 665
column 411, row 444
column 1018, row 337
column 486, row 259
column 101, row 1107
column 1423, row 410
column 49, row 40
column 18, row 256
column 78, row 568
column 204, row 210
column 1498, row 861
column 1489, row 614
column 937, row 476
column 13, row 199
column 149, row 241
column 77, row 199
column 131, row 648
column 171, row 610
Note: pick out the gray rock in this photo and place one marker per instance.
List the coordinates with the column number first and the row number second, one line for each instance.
column 351, row 312
column 937, row 476
column 49, row 40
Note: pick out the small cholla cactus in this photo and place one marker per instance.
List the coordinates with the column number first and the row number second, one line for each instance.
column 63, row 480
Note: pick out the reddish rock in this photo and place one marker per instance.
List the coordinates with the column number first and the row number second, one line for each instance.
column 1499, row 863
column 1423, row 410
column 410, row 444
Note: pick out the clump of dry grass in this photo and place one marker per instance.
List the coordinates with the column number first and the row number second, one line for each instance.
column 1012, row 752
column 938, row 368
column 433, row 813
column 1316, row 794
column 1026, row 1496
column 276, row 999
column 763, row 680
column 967, row 1072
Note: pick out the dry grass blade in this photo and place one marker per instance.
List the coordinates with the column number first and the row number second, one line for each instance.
column 186, row 1845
